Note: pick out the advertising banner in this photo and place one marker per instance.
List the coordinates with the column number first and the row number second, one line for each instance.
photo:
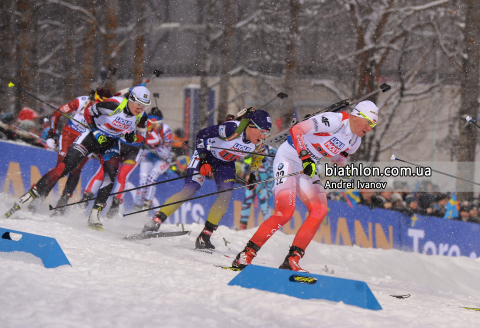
column 344, row 225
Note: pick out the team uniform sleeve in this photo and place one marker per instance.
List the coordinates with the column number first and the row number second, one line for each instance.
column 160, row 146
column 141, row 127
column 153, row 138
column 69, row 107
column 323, row 123
column 216, row 131
column 102, row 108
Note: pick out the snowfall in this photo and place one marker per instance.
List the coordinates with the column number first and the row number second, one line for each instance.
column 163, row 282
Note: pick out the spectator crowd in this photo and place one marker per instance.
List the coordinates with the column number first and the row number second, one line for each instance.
column 426, row 200
column 29, row 127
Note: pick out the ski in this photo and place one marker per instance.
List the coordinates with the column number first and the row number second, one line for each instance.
column 147, row 235
column 469, row 308
column 210, row 251
column 95, row 228
column 401, row 296
column 228, row 268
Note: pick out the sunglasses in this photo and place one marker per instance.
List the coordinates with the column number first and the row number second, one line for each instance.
column 155, row 122
column 266, row 133
column 135, row 99
column 372, row 123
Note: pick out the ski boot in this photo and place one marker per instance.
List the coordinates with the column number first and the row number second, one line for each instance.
column 203, row 239
column 243, row 226
column 291, row 261
column 113, row 210
column 61, row 202
column 86, row 196
column 246, row 256
column 155, row 223
column 94, row 218
column 147, row 204
column 137, row 207
column 23, row 201
column 32, row 207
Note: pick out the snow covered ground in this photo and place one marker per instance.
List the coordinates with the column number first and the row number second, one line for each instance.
column 164, row 283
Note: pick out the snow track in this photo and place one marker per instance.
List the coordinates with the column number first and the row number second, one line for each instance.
column 163, row 283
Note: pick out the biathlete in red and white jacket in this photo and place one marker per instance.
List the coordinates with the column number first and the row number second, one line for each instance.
column 107, row 121
column 156, row 158
column 71, row 131
column 335, row 135
column 131, row 155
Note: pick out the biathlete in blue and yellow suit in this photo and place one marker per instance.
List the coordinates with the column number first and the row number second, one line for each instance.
column 238, row 137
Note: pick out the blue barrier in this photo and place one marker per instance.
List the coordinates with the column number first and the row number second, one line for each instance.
column 46, row 248
column 307, row 286
column 437, row 236
column 344, row 225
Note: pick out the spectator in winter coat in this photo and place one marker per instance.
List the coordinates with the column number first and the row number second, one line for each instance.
column 398, row 205
column 383, row 199
column 5, row 128
column 426, row 202
column 366, row 197
column 473, row 212
column 412, row 204
column 439, row 206
column 463, row 214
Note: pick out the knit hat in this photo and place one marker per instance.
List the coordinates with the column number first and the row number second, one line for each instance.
column 140, row 94
column 368, row 109
column 260, row 119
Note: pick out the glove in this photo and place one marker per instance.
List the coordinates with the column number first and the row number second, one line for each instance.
column 94, row 111
column 130, row 137
column 205, row 168
column 251, row 179
column 309, row 166
column 101, row 138
column 52, row 138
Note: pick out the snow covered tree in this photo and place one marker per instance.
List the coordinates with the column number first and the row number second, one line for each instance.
column 469, row 99
column 392, row 38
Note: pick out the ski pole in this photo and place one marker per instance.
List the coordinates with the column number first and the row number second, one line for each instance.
column 140, row 187
column 111, row 70
column 245, row 152
column 449, row 175
column 30, row 133
column 244, row 111
column 185, row 143
column 156, row 73
column 10, row 85
column 346, row 103
column 120, row 192
column 280, row 95
column 156, row 95
column 283, row 135
column 215, row 193
column 469, row 119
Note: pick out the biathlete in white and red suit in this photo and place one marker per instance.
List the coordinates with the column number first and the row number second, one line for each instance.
column 156, row 158
column 238, row 138
column 107, row 121
column 335, row 135
column 71, row 131
column 131, row 155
